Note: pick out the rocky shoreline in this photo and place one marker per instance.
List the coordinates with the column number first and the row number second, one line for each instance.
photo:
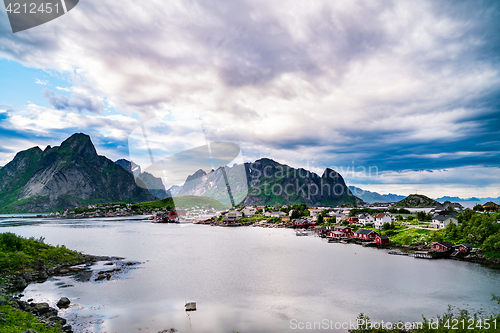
column 17, row 282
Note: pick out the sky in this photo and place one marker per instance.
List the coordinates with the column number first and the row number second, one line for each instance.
column 397, row 96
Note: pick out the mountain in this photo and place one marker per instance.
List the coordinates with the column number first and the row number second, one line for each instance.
column 416, row 200
column 457, row 199
column 372, row 197
column 153, row 184
column 130, row 166
column 174, row 190
column 267, row 182
column 67, row 176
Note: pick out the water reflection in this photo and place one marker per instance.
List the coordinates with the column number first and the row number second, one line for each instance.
column 246, row 279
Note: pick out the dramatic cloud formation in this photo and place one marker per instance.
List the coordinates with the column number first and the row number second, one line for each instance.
column 402, row 86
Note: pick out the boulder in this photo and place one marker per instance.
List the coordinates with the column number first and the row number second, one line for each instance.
column 20, row 284
column 57, row 320
column 64, row 302
column 41, row 308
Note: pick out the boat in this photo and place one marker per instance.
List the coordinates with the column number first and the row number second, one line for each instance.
column 170, row 217
column 190, row 306
column 301, row 233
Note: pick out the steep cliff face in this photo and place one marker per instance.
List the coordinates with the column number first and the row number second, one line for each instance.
column 67, row 176
column 272, row 183
column 267, row 182
column 228, row 185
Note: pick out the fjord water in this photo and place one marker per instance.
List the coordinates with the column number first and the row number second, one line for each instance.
column 245, row 279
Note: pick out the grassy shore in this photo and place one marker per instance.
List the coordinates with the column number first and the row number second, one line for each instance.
column 17, row 255
column 16, row 321
column 21, row 254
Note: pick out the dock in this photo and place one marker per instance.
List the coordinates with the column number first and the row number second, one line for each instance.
column 398, row 253
column 421, row 255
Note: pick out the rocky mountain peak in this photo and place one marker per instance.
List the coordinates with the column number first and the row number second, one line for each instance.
column 65, row 176
column 79, row 144
column 198, row 174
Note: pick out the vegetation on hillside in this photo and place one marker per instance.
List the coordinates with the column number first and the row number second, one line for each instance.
column 18, row 253
column 481, row 230
column 417, row 200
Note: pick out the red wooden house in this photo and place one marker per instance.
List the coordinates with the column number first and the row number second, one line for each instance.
column 465, row 248
column 353, row 220
column 441, row 247
column 382, row 240
column 341, row 232
column 300, row 223
column 365, row 234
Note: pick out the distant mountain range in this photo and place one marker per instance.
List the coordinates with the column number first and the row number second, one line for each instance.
column 373, row 197
column 67, row 176
column 457, row 199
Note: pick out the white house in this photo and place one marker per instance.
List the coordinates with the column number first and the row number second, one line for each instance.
column 442, row 219
column 277, row 214
column 234, row 215
column 382, row 218
column 365, row 218
column 249, row 211
column 314, row 212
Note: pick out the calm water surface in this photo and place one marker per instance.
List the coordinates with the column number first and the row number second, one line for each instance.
column 245, row 279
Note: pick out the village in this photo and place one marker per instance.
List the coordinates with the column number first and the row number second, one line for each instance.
column 369, row 225
column 348, row 225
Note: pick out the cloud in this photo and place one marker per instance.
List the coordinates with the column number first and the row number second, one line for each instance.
column 78, row 101
column 37, row 81
column 398, row 85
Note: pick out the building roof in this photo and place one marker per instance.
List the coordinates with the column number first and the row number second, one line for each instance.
column 364, row 231
column 383, row 237
column 443, row 215
column 447, row 244
column 466, row 245
column 342, row 228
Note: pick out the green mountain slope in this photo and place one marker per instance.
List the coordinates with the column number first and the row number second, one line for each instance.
column 417, row 200
column 67, row 176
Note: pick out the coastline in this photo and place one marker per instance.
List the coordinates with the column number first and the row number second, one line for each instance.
column 13, row 284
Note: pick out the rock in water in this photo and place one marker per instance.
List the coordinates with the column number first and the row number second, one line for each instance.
column 64, row 302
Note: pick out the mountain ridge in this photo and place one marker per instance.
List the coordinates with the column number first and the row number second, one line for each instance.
column 65, row 176
column 374, row 197
column 270, row 183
